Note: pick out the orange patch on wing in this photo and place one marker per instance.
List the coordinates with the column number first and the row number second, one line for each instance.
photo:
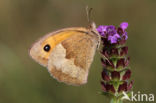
column 56, row 39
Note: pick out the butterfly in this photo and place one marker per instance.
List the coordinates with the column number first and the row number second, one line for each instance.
column 67, row 53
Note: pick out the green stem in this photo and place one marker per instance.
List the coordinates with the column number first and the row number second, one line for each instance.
column 116, row 100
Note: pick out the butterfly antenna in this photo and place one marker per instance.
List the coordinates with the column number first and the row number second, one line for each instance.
column 88, row 12
column 92, row 24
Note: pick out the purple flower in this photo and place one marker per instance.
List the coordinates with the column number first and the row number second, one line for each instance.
column 115, row 61
column 111, row 30
column 114, row 38
column 102, row 30
column 124, row 25
column 125, row 35
column 112, row 34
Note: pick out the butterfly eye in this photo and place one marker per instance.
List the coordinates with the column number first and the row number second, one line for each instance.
column 46, row 48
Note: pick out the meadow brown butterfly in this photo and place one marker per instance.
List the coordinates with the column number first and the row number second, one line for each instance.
column 67, row 53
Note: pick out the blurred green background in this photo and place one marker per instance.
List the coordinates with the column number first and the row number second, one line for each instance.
column 23, row 21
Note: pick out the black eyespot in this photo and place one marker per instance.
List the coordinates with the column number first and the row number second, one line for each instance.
column 46, row 48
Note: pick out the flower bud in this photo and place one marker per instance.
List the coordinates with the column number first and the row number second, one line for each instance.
column 105, row 75
column 115, row 75
column 127, row 75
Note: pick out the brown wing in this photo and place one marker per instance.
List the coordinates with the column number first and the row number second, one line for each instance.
column 70, row 60
column 37, row 52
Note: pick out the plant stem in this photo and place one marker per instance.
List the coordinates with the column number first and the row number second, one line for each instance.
column 115, row 100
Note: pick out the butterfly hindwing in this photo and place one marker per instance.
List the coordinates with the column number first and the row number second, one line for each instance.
column 70, row 60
